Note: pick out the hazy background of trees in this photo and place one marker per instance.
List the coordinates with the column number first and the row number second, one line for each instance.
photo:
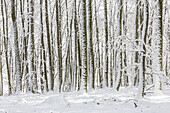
column 72, row 45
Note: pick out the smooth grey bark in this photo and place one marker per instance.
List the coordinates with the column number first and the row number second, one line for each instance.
column 75, row 73
column 51, row 74
column 1, row 77
column 136, row 42
column 92, row 69
column 5, row 37
column 43, row 65
column 16, row 48
column 84, row 47
column 105, row 73
column 120, row 29
column 59, row 42
column 31, row 51
column 100, row 77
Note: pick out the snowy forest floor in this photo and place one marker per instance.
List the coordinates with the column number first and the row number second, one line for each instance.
column 98, row 101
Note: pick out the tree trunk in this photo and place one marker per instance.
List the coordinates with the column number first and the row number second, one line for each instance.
column 43, row 55
column 51, row 74
column 92, row 71
column 99, row 76
column 120, row 20
column 143, row 53
column 84, row 47
column 59, row 42
column 158, row 44
column 1, row 77
column 105, row 73
column 16, row 49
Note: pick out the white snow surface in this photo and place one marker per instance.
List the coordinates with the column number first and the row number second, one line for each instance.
column 98, row 101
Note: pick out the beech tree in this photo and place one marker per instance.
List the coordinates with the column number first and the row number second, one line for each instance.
column 142, row 70
column 1, row 77
column 43, row 65
column 72, row 45
column 158, row 45
column 92, row 72
column 16, row 48
column 84, row 47
column 120, row 29
column 51, row 74
column 59, row 44
column 105, row 73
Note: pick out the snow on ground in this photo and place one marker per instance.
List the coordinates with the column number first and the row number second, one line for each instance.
column 100, row 101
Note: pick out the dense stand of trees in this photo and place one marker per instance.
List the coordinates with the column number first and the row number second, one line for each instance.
column 72, row 45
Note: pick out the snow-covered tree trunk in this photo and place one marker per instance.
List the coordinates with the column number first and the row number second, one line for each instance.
column 120, row 23
column 168, row 45
column 43, row 65
column 16, row 48
column 68, row 77
column 23, row 42
column 110, row 52
column 137, row 38
column 92, row 71
column 51, row 75
column 84, row 48
column 1, row 77
column 98, row 76
column 6, row 39
column 31, row 51
column 75, row 69
column 142, row 68
column 1, row 39
column 25, row 20
column 59, row 44
column 158, row 46
column 125, row 23
column 105, row 70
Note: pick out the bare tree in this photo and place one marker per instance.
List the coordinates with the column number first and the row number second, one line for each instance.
column 92, row 70
column 16, row 48
column 84, row 47
column 51, row 74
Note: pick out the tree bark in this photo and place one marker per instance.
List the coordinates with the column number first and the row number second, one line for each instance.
column 16, row 49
